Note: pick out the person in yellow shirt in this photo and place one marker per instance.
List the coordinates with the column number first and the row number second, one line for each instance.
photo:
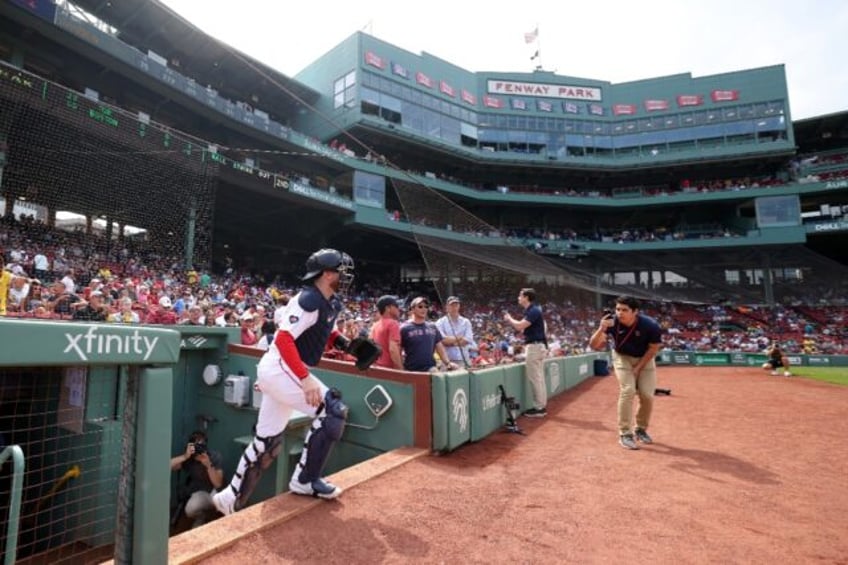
column 5, row 283
column 6, row 279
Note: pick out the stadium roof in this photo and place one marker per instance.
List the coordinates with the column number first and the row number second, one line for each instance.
column 820, row 133
column 152, row 25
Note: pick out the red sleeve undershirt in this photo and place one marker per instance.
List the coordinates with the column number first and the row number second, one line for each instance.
column 288, row 351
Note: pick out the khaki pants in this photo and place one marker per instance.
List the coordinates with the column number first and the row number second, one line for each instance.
column 534, row 369
column 627, row 388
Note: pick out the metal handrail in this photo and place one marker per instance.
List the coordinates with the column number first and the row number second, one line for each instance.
column 17, row 455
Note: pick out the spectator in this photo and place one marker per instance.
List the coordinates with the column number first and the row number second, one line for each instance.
column 94, row 310
column 68, row 282
column 18, row 292
column 165, row 314
column 386, row 333
column 457, row 334
column 420, row 340
column 248, row 335
column 61, row 302
column 195, row 317
column 34, row 302
column 125, row 313
column 40, row 265
column 269, row 328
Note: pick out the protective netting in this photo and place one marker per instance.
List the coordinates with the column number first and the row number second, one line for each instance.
column 460, row 250
column 476, row 255
column 97, row 189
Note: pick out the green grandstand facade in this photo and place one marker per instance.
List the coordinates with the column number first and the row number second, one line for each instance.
column 543, row 116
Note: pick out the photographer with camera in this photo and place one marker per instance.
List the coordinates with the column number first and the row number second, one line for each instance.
column 636, row 341
column 204, row 477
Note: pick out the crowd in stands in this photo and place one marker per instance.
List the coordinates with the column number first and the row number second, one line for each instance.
column 68, row 275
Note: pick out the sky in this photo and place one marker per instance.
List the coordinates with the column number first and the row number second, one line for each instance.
column 611, row 40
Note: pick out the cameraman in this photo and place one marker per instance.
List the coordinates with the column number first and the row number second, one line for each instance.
column 635, row 339
column 204, row 477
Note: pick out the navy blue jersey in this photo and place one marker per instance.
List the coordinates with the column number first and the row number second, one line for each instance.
column 535, row 332
column 418, row 342
column 309, row 318
column 634, row 340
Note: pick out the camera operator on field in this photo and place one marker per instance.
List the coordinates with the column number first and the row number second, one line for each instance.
column 204, row 477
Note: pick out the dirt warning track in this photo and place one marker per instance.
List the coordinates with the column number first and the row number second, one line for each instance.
column 745, row 468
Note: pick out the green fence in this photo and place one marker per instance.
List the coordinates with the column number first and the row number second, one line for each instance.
column 716, row 358
column 467, row 404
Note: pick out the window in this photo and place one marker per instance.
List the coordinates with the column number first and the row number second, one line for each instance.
column 344, row 91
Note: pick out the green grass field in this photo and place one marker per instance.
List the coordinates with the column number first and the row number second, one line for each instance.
column 837, row 375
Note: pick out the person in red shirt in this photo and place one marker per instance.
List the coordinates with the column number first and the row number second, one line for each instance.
column 165, row 315
column 386, row 332
column 248, row 335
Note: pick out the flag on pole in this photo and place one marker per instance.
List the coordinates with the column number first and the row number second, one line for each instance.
column 531, row 36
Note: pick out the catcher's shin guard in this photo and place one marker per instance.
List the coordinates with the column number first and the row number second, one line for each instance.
column 257, row 457
column 326, row 430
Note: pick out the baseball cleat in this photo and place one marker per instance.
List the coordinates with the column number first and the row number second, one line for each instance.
column 225, row 501
column 318, row 488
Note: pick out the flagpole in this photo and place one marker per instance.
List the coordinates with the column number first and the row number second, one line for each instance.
column 538, row 48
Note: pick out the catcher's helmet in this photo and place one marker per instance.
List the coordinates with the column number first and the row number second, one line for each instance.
column 330, row 260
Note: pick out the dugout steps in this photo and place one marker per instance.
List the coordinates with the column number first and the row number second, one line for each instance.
column 195, row 545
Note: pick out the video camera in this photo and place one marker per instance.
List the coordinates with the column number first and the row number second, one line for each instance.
column 512, row 407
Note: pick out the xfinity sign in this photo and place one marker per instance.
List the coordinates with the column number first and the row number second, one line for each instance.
column 95, row 341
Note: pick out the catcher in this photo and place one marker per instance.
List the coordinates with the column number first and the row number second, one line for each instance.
column 287, row 384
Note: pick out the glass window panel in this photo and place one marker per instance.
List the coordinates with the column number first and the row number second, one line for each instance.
column 775, row 107
column 603, row 141
column 369, row 95
column 350, row 79
column 390, row 103
column 737, row 128
column 776, row 123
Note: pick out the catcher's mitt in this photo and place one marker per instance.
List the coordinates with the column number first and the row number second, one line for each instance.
column 365, row 351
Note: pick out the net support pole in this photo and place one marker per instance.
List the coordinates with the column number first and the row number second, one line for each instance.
column 768, row 286
column 191, row 226
column 126, row 480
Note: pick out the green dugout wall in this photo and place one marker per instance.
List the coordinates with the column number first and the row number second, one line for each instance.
column 90, row 407
column 467, row 404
